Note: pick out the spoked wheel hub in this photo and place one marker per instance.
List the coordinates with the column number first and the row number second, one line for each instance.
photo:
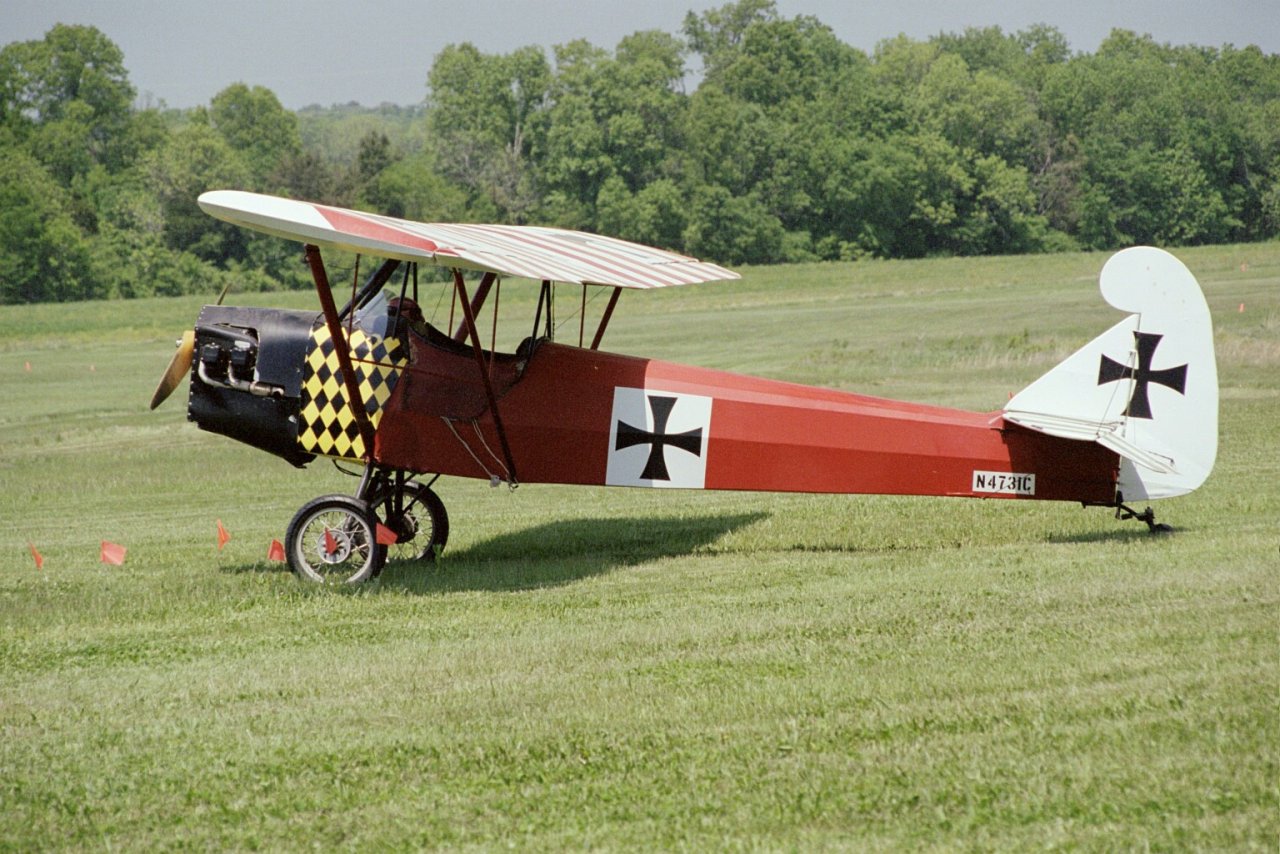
column 333, row 540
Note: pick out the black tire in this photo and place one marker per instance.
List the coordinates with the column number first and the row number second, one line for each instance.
column 417, row 517
column 333, row 540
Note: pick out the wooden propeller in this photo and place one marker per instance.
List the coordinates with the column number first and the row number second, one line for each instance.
column 179, row 367
column 180, row 364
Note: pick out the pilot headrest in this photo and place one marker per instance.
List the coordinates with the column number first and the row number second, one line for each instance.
column 405, row 307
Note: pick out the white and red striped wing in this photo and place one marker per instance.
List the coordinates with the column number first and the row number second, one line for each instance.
column 519, row 251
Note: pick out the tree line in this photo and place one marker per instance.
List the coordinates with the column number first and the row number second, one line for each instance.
column 792, row 146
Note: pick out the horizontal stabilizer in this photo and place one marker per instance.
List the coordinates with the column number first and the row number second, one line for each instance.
column 1063, row 426
column 1147, row 388
column 1155, row 462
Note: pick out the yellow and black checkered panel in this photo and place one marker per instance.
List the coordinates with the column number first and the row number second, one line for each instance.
column 328, row 425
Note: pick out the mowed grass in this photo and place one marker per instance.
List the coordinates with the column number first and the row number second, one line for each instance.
column 593, row 668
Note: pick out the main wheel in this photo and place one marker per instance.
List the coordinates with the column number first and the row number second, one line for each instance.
column 417, row 517
column 333, row 539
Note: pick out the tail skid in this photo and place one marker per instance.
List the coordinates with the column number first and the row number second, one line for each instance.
column 1147, row 388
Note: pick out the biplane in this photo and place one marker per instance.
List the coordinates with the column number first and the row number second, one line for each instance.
column 1130, row 416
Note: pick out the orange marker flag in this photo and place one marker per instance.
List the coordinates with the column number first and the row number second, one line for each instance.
column 35, row 553
column 223, row 536
column 385, row 536
column 330, row 544
column 27, row 367
column 112, row 553
column 275, row 551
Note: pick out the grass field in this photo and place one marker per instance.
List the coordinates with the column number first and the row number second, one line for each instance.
column 607, row 669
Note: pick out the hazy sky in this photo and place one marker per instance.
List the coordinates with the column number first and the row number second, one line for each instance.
column 183, row 52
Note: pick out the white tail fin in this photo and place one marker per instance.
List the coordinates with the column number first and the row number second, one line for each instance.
column 1147, row 388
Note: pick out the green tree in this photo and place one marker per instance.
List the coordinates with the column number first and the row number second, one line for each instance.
column 71, row 63
column 129, row 255
column 609, row 117
column 1151, row 195
column 65, row 145
column 986, row 49
column 728, row 140
column 480, row 110
column 375, row 154
column 1001, row 216
column 334, row 133
column 43, row 256
column 655, row 216
column 410, row 187
column 642, row 107
column 864, row 196
column 900, row 65
column 570, row 140
column 305, row 175
column 67, row 97
column 716, row 34
column 254, row 124
column 196, row 159
column 978, row 111
column 732, row 229
column 779, row 60
column 1175, row 139
column 357, row 185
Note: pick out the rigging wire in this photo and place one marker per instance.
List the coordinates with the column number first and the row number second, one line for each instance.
column 562, row 321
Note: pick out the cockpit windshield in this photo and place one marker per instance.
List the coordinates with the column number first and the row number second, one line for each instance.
column 374, row 317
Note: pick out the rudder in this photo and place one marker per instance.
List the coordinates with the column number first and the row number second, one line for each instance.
column 1147, row 388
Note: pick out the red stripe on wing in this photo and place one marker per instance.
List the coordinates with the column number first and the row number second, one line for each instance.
column 358, row 225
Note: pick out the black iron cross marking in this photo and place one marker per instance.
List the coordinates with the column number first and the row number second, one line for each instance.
column 656, row 467
column 1110, row 371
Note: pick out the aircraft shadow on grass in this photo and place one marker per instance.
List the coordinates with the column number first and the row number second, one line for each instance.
column 1115, row 535
column 563, row 552
column 555, row 553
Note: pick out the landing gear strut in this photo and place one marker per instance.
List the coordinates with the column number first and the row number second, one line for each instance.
column 413, row 513
column 337, row 538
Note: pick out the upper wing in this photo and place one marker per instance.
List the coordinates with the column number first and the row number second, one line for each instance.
column 510, row 250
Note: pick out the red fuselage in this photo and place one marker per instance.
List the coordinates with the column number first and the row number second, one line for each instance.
column 580, row 416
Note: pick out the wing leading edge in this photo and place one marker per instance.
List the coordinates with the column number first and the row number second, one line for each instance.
column 518, row 251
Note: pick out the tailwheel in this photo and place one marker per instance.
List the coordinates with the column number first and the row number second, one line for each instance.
column 415, row 515
column 1124, row 511
column 333, row 540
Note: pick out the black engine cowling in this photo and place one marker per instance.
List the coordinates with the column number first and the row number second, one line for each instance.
column 247, row 376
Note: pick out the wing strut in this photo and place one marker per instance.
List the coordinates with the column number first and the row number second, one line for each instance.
column 469, row 324
column 341, row 347
column 482, row 293
column 604, row 321
column 544, row 295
